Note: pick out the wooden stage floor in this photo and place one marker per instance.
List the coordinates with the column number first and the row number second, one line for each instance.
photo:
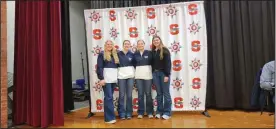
column 218, row 119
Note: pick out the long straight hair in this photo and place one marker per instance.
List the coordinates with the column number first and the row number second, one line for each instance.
column 161, row 46
column 107, row 54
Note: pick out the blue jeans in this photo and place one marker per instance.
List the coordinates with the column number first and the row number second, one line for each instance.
column 109, row 113
column 125, row 87
column 163, row 90
column 144, row 87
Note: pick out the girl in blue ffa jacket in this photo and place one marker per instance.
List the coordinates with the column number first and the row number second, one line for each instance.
column 143, row 77
column 161, row 65
column 107, row 73
column 126, row 80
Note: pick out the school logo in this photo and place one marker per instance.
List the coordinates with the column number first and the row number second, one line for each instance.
column 153, row 87
column 96, row 50
column 135, row 103
column 112, row 15
column 97, row 87
column 113, row 33
column 130, row 14
column 150, row 13
column 192, row 9
column 196, row 83
column 116, row 102
column 133, row 48
column 133, row 32
column 152, row 31
column 194, row 27
column 195, row 64
column 195, row 102
column 97, row 35
column 177, row 83
column 178, row 102
column 177, row 65
column 117, row 47
column 99, row 104
column 171, row 11
column 195, row 46
column 95, row 16
column 174, row 29
column 135, row 87
column 116, row 88
column 175, row 47
column 154, row 102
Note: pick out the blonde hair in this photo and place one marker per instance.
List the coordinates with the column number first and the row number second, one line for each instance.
column 161, row 46
column 107, row 54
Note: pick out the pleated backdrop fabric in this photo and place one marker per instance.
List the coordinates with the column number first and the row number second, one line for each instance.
column 182, row 28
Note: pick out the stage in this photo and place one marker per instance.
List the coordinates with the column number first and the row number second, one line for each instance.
column 218, row 119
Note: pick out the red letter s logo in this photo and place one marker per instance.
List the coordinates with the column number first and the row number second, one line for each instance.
column 151, row 13
column 99, row 103
column 97, row 34
column 174, row 30
column 178, row 102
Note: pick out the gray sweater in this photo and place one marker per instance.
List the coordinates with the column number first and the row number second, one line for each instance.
column 267, row 80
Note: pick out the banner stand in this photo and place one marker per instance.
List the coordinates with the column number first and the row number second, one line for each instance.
column 90, row 114
column 188, row 53
column 205, row 113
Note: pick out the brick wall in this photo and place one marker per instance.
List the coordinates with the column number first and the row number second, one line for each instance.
column 4, row 117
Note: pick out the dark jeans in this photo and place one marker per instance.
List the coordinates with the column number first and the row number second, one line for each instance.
column 109, row 113
column 125, row 87
column 163, row 90
column 144, row 87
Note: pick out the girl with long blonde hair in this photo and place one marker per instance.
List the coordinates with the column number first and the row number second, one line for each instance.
column 107, row 74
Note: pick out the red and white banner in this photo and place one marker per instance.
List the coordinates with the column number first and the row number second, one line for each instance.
column 181, row 26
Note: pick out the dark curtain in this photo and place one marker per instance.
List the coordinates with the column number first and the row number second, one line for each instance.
column 240, row 36
column 66, row 57
column 38, row 93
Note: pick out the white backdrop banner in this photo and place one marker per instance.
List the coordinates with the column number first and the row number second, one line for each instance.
column 181, row 26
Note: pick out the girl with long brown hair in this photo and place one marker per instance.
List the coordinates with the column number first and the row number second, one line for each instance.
column 161, row 66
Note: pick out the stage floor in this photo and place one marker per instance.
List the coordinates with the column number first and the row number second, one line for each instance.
column 218, row 119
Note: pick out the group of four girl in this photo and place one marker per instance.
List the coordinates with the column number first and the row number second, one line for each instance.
column 143, row 66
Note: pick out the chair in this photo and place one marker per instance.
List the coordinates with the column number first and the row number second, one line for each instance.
column 10, row 91
column 260, row 97
column 268, row 101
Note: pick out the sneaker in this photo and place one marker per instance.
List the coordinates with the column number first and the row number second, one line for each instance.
column 166, row 117
column 111, row 122
column 157, row 116
column 150, row 116
column 123, row 118
column 140, row 116
column 129, row 117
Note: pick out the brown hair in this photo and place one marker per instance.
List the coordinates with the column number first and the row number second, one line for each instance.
column 125, row 41
column 138, row 41
column 161, row 46
column 107, row 54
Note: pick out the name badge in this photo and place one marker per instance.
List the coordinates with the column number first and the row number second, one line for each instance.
column 146, row 57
